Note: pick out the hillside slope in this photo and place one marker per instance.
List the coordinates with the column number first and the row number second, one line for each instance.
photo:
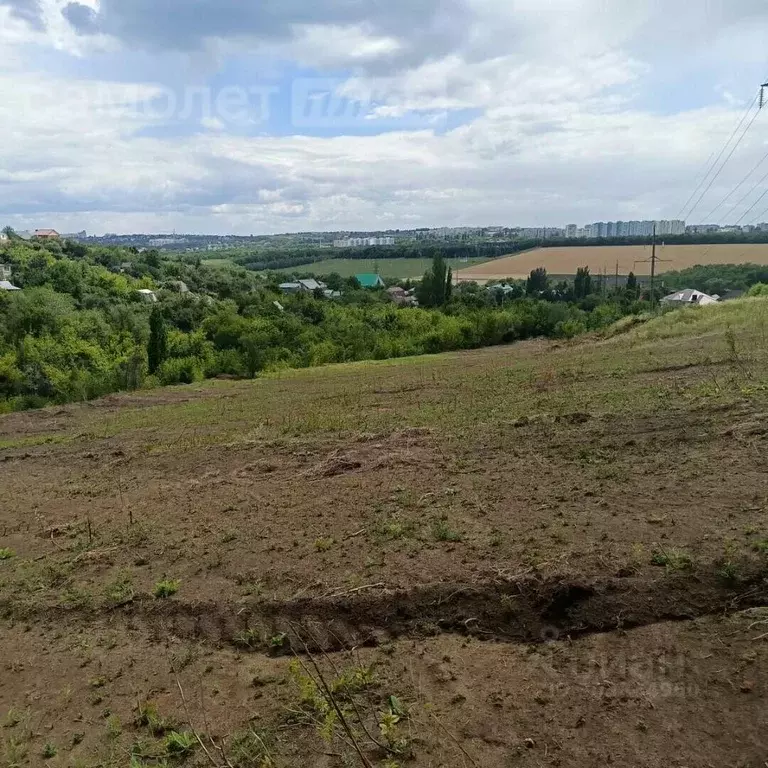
column 409, row 509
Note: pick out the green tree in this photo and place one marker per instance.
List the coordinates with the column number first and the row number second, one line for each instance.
column 434, row 290
column 632, row 285
column 157, row 349
column 582, row 285
column 537, row 282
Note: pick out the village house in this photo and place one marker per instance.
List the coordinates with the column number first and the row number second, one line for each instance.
column 402, row 297
column 689, row 297
column 369, row 280
column 310, row 285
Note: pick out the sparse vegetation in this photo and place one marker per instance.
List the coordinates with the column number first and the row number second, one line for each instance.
column 249, row 749
column 442, row 531
column 166, row 588
column 148, row 716
column 6, row 554
column 324, row 543
column 49, row 751
column 120, row 590
column 672, row 560
column 248, row 639
column 179, row 743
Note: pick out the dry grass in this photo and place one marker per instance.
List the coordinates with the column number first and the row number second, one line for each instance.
column 631, row 258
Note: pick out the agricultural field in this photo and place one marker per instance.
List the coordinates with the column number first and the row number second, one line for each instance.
column 399, row 269
column 546, row 554
column 630, row 258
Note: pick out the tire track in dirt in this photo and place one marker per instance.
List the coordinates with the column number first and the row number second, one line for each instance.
column 527, row 610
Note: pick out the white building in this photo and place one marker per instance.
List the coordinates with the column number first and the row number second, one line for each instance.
column 146, row 295
column 6, row 272
column 689, row 297
column 673, row 227
column 572, row 230
column 357, row 242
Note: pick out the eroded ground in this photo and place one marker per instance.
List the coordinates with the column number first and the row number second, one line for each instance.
column 448, row 516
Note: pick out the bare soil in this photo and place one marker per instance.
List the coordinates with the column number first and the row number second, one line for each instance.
column 550, row 555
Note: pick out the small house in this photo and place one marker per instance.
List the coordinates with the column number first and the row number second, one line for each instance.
column 310, row 285
column 47, row 234
column 689, row 297
column 6, row 272
column 7, row 286
column 402, row 297
column 146, row 295
column 179, row 286
column 369, row 280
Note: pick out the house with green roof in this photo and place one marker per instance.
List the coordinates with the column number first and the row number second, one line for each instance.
column 370, row 280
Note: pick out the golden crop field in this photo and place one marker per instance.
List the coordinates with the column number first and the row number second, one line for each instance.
column 630, row 258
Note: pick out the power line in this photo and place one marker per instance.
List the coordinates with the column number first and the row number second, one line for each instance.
column 717, row 159
column 752, row 207
column 725, row 162
column 744, row 197
column 736, row 188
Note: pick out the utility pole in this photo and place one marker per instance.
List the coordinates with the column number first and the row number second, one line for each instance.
column 616, row 284
column 762, row 94
column 653, row 261
column 653, row 269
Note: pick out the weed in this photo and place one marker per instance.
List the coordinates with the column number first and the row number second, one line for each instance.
column 97, row 682
column 248, row 639
column 389, row 719
column 496, row 539
column 673, row 560
column 728, row 572
column 166, row 588
column 392, row 528
column 114, row 727
column 147, row 716
column 49, row 751
column 353, row 681
column 15, row 753
column 761, row 546
column 277, row 641
column 248, row 749
column 77, row 598
column 442, row 531
column 180, row 744
column 120, row 591
column 6, row 554
column 323, row 544
column 13, row 718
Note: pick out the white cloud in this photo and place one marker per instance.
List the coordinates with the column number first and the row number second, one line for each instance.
column 571, row 119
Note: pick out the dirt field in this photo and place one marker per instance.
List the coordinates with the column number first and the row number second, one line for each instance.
column 478, row 554
column 631, row 258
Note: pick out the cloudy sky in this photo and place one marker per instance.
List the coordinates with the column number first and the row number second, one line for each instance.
column 257, row 116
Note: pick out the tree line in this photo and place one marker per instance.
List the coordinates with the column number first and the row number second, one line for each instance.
column 79, row 329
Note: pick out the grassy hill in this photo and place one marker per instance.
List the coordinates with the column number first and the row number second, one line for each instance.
column 168, row 552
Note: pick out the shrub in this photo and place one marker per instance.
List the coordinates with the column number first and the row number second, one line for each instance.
column 166, row 588
column 181, row 370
